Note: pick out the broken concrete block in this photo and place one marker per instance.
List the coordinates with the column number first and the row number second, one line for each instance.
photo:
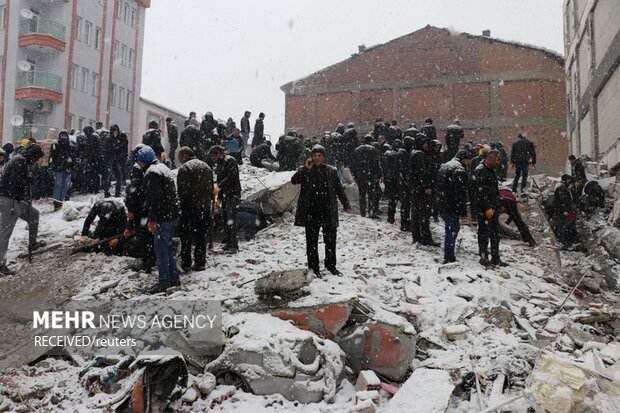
column 372, row 395
column 426, row 391
column 457, row 332
column 282, row 282
column 325, row 320
column 582, row 334
column 205, row 383
column 190, row 395
column 365, row 406
column 367, row 380
column 278, row 195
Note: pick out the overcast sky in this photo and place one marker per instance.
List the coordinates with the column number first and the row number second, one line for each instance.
column 229, row 56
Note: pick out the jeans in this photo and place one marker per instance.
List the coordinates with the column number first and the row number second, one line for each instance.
column 522, row 170
column 113, row 167
column 10, row 211
column 452, row 227
column 166, row 263
column 62, row 183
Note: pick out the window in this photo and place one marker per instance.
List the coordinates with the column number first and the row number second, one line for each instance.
column 113, row 95
column 71, row 120
column 85, row 76
column 2, row 16
column 95, row 85
column 121, row 97
column 119, row 8
column 116, row 50
column 98, row 34
column 74, row 76
column 81, row 122
column 78, row 28
column 132, row 54
column 128, row 102
column 132, row 19
column 126, row 13
column 88, row 29
column 124, row 55
column 92, row 123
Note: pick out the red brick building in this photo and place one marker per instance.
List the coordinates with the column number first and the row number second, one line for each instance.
column 496, row 88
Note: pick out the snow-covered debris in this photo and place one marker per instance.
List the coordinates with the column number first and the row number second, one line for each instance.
column 426, row 391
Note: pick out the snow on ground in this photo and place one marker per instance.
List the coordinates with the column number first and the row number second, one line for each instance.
column 379, row 263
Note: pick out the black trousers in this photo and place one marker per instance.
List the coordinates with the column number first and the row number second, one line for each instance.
column 312, row 244
column 370, row 195
column 420, row 217
column 488, row 231
column 193, row 230
column 229, row 214
column 513, row 214
column 391, row 193
column 405, row 210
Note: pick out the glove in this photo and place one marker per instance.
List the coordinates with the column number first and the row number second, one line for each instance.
column 218, row 203
column 570, row 216
column 127, row 233
column 216, row 190
column 489, row 213
column 113, row 243
column 513, row 166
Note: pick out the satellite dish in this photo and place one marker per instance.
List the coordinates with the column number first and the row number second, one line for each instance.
column 26, row 13
column 24, row 66
column 17, row 120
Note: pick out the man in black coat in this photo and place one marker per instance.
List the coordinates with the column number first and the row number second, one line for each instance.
column 152, row 138
column 191, row 137
column 245, row 131
column 379, row 129
column 429, row 129
column 317, row 207
column 192, row 115
column 260, row 153
column 563, row 212
column 422, row 173
column 259, row 131
column 289, row 151
column 454, row 134
column 228, row 191
column 366, row 169
column 195, row 189
column 173, row 140
column 62, row 160
column 116, row 155
column 209, row 127
column 404, row 183
column 508, row 205
column 578, row 171
column 487, row 199
column 162, row 207
column 394, row 132
column 15, row 193
column 350, row 141
column 452, row 199
column 391, row 168
column 112, row 221
column 523, row 153
column 92, row 160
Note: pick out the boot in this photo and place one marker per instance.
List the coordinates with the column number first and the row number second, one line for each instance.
column 6, row 270
column 484, row 260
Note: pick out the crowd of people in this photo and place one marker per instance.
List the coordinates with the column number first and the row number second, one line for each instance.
column 412, row 166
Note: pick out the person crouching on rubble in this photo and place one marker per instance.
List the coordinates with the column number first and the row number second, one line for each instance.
column 508, row 205
column 563, row 212
column 317, row 207
column 110, row 226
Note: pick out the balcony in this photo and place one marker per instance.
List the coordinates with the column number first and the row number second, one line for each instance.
column 39, row 132
column 42, row 34
column 39, row 85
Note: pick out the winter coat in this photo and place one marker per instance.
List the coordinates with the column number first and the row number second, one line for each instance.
column 262, row 151
column 14, row 181
column 523, row 150
column 391, row 168
column 380, row 129
column 393, row 133
column 350, row 140
column 308, row 179
column 486, row 187
column 134, row 196
column 259, row 132
column 206, row 127
column 454, row 134
column 452, row 188
column 93, row 149
column 160, row 194
column 192, row 138
column 112, row 218
column 366, row 163
column 63, row 155
column 563, row 200
column 195, row 188
column 173, row 135
column 119, row 144
column 578, row 171
column 421, row 171
column 412, row 132
column 227, row 172
column 152, row 138
column 245, row 125
column 430, row 131
column 289, row 152
column 404, row 177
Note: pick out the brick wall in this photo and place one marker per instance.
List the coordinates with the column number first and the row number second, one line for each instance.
column 496, row 88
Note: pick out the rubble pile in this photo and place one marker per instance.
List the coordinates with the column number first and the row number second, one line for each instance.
column 397, row 332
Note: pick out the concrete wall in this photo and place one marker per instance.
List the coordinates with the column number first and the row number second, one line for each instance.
column 497, row 89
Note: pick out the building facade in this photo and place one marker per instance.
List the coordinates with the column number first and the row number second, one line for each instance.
column 592, row 48
column 70, row 63
column 496, row 88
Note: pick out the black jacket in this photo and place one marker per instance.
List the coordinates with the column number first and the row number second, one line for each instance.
column 429, row 130
column 134, row 198
column 404, row 177
column 192, row 137
column 391, row 169
column 259, row 132
column 421, row 171
column 173, row 134
column 93, row 152
column 487, row 189
column 160, row 194
column 579, row 171
column 63, row 155
column 563, row 200
column 454, row 134
column 227, row 172
column 195, row 188
column 119, row 144
column 350, row 140
column 262, row 151
column 152, row 138
column 308, row 179
column 394, row 132
column 112, row 218
column 289, row 151
column 452, row 188
column 206, row 127
column 245, row 125
column 14, row 181
column 366, row 163
column 380, row 129
column 523, row 150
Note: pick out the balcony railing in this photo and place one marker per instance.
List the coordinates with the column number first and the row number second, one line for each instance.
column 39, row 132
column 42, row 26
column 41, row 80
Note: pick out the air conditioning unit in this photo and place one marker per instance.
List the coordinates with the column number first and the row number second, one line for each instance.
column 44, row 106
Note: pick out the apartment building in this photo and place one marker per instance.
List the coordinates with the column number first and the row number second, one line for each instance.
column 70, row 63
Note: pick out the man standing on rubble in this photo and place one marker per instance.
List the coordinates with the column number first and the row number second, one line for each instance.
column 317, row 207
column 422, row 173
column 523, row 152
column 487, row 200
column 228, row 191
